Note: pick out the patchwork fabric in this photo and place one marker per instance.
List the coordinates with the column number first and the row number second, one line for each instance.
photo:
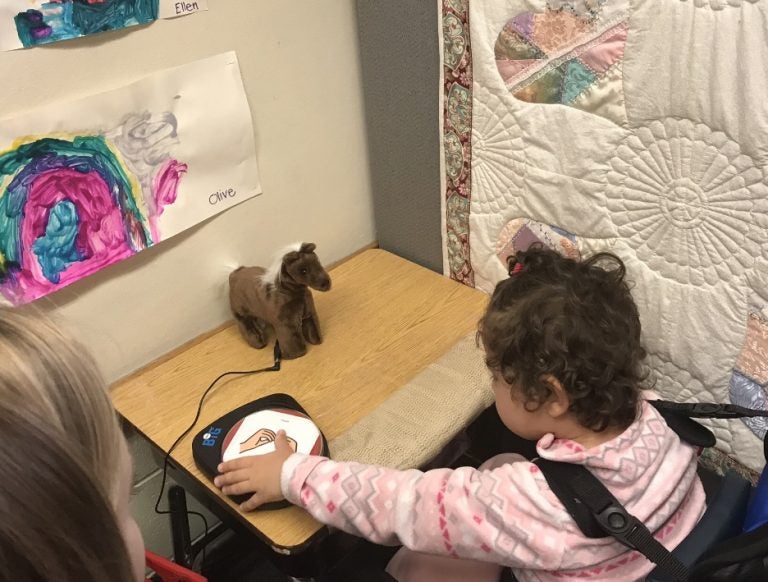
column 521, row 233
column 753, row 360
column 718, row 4
column 563, row 57
column 581, row 125
column 749, row 382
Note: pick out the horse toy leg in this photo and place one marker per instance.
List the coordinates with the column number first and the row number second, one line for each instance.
column 254, row 330
column 292, row 344
column 310, row 324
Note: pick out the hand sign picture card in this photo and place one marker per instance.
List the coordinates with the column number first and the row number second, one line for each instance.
column 252, row 430
column 255, row 434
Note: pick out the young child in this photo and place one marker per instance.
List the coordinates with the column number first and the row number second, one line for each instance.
column 562, row 342
column 64, row 511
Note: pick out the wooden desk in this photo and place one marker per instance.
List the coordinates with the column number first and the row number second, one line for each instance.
column 384, row 320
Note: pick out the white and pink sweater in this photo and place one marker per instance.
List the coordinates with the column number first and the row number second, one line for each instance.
column 507, row 514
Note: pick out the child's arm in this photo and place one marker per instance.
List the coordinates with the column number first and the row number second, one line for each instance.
column 497, row 516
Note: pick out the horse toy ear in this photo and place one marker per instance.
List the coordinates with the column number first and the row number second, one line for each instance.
column 307, row 248
column 289, row 258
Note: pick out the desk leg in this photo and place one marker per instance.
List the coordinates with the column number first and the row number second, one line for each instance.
column 180, row 535
column 310, row 562
column 315, row 561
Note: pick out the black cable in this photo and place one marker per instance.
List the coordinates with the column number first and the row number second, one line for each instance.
column 273, row 368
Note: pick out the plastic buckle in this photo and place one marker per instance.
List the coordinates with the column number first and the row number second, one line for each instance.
column 615, row 521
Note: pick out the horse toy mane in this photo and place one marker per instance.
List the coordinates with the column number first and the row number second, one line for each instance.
column 279, row 298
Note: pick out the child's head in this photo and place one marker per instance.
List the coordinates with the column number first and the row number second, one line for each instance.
column 562, row 338
column 64, row 501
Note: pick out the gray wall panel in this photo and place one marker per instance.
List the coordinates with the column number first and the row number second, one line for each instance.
column 400, row 60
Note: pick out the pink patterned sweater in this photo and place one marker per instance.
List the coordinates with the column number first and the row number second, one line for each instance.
column 508, row 515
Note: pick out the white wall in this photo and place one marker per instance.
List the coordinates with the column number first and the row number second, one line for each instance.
column 299, row 61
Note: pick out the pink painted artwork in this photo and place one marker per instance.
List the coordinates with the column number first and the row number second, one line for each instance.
column 72, row 206
column 87, row 183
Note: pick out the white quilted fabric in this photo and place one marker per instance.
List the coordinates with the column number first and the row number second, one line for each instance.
column 668, row 172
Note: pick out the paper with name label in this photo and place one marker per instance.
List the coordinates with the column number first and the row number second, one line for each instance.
column 87, row 183
column 172, row 9
column 29, row 23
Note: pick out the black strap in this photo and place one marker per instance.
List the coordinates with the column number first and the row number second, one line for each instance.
column 597, row 513
column 580, row 512
column 687, row 429
column 707, row 409
column 679, row 415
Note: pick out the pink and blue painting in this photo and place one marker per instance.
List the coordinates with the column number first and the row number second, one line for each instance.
column 71, row 205
column 93, row 181
column 58, row 20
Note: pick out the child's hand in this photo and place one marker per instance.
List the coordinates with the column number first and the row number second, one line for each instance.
column 259, row 475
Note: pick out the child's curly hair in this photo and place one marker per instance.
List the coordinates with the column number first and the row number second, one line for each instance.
column 574, row 321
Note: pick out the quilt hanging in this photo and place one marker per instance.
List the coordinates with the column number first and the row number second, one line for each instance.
column 579, row 124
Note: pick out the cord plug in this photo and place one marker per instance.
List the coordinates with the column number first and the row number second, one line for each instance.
column 278, row 355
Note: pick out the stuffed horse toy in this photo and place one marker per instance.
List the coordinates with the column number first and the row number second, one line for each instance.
column 279, row 297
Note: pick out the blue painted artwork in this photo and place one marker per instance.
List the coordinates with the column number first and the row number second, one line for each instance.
column 66, row 19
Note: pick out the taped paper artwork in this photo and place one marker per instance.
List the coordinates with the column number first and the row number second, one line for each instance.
column 88, row 183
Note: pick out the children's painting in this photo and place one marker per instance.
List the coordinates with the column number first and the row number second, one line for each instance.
column 88, row 183
column 28, row 23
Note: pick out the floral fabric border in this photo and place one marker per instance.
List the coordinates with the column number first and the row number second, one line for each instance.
column 457, row 137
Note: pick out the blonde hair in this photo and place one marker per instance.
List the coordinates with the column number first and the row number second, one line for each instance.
column 49, row 376
column 57, row 518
